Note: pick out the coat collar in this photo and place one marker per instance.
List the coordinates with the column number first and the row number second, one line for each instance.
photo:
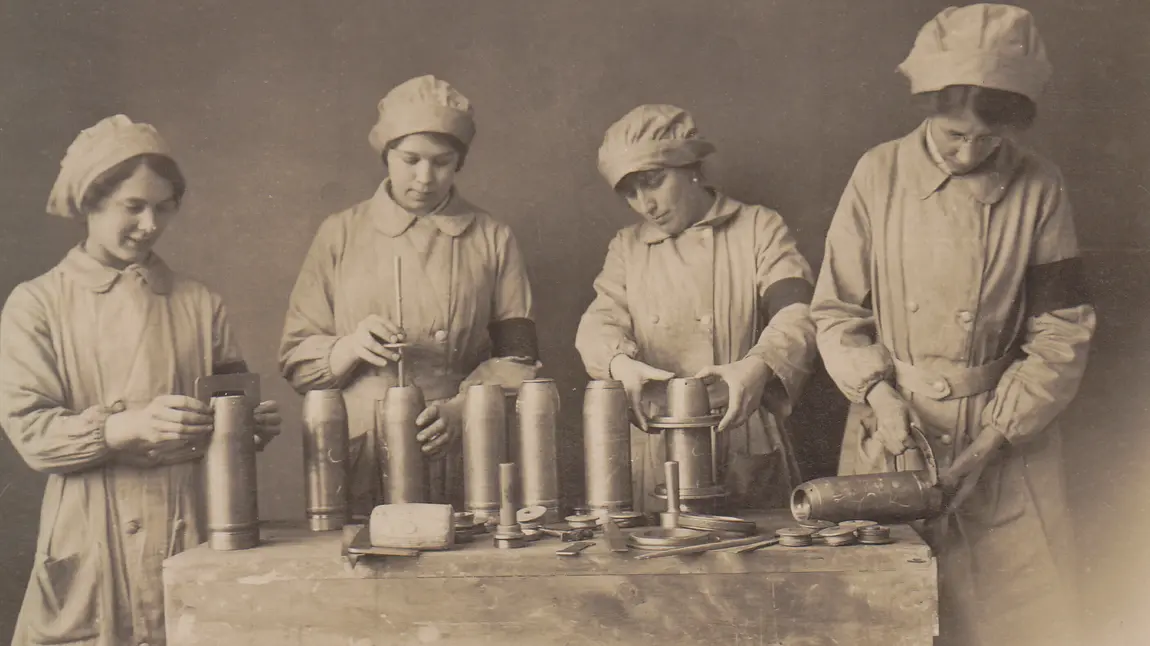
column 98, row 277
column 453, row 217
column 988, row 184
column 722, row 209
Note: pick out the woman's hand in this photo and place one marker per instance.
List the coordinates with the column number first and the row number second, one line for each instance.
column 366, row 344
column 634, row 375
column 895, row 417
column 440, row 425
column 745, row 381
column 972, row 459
column 166, row 421
column 267, row 423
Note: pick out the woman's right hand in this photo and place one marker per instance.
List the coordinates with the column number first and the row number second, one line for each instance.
column 895, row 417
column 366, row 344
column 166, row 421
column 634, row 375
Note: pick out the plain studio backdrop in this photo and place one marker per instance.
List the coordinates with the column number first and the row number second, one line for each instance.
column 268, row 105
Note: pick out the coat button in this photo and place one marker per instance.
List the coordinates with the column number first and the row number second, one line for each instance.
column 655, row 319
column 940, row 386
column 912, row 306
column 945, row 438
column 441, row 335
column 705, row 319
column 965, row 317
column 132, row 527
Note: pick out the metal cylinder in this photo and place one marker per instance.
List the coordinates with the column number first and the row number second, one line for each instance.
column 607, row 447
column 484, row 449
column 886, row 498
column 507, row 494
column 670, row 518
column 538, row 460
column 690, row 447
column 325, row 459
column 406, row 473
column 687, row 398
column 230, row 476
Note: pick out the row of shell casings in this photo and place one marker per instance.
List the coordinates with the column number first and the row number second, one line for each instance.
column 529, row 438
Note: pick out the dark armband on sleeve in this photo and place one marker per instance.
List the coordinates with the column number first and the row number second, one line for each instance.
column 1055, row 286
column 514, row 338
column 237, row 367
column 784, row 293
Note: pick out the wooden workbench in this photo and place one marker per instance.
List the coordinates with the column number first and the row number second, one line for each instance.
column 296, row 589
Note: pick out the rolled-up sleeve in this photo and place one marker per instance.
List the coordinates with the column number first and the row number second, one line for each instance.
column 309, row 328
column 784, row 284
column 49, row 436
column 847, row 336
column 605, row 330
column 1059, row 326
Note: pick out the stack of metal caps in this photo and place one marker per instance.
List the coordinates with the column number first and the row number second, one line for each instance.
column 465, row 527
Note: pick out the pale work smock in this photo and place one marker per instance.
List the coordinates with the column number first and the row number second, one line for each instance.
column 77, row 344
column 466, row 298
column 732, row 285
column 965, row 292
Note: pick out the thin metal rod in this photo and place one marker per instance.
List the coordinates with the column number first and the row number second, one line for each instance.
column 399, row 315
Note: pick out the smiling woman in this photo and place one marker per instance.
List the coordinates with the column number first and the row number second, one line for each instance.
column 97, row 360
column 130, row 206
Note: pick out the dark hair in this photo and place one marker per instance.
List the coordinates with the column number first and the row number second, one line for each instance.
column 625, row 184
column 995, row 108
column 441, row 137
column 110, row 180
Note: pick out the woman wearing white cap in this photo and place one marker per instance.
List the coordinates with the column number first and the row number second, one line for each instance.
column 951, row 297
column 467, row 302
column 704, row 286
column 97, row 359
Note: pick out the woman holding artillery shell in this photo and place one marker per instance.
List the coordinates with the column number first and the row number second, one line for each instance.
column 704, row 286
column 98, row 359
column 951, row 297
column 466, row 316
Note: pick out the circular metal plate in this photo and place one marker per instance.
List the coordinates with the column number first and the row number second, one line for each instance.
column 700, row 493
column 707, row 522
column 627, row 519
column 531, row 514
column 660, row 538
column 855, row 524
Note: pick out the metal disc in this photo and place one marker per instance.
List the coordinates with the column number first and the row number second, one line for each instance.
column 660, row 538
column 710, row 523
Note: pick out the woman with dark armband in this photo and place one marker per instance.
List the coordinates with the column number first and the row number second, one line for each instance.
column 467, row 302
column 951, row 299
column 704, row 286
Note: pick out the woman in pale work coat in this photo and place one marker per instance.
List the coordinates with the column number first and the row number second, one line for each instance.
column 705, row 286
column 98, row 358
column 466, row 298
column 951, row 297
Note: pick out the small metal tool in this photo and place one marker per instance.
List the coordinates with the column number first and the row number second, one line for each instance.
column 670, row 518
column 361, row 546
column 574, row 548
column 756, row 546
column 706, row 547
column 615, row 539
column 572, row 535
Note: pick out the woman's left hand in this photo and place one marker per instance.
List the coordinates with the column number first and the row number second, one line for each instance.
column 745, row 381
column 440, row 425
column 267, row 423
column 959, row 478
